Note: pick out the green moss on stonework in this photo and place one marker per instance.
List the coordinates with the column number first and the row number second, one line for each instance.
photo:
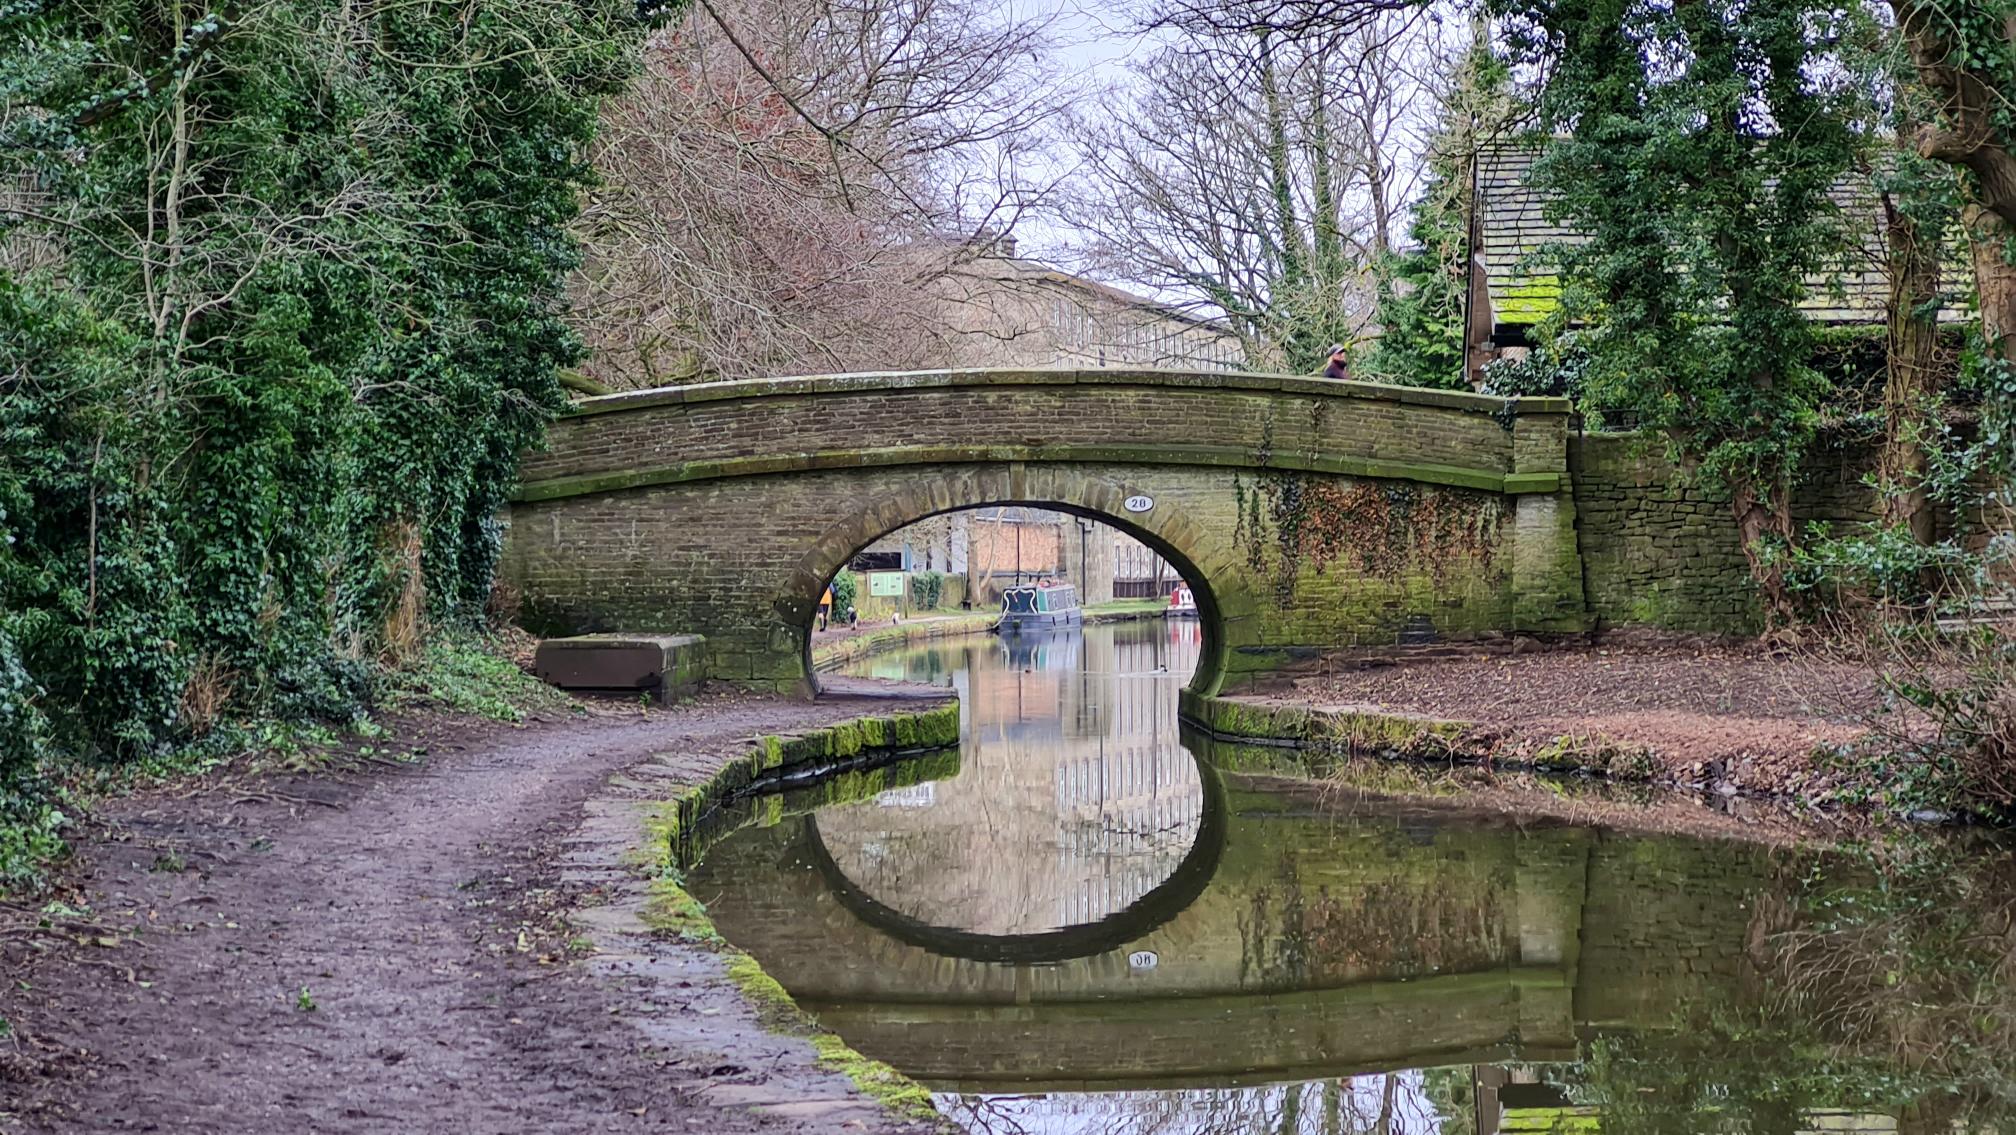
column 1388, row 734
column 834, row 655
column 1343, row 731
column 669, row 909
column 771, row 1001
column 677, row 822
column 896, row 1091
column 780, row 1014
column 1595, row 753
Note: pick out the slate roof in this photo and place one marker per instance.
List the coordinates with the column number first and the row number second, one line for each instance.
column 1523, row 289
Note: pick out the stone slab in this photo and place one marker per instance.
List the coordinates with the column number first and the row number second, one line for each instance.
column 667, row 666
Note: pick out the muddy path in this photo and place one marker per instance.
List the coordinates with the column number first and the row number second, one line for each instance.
column 394, row 950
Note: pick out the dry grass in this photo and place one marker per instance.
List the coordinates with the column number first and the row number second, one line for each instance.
column 206, row 694
column 1943, row 732
column 1918, row 969
column 404, row 631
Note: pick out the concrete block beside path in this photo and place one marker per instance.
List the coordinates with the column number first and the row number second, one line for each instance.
column 668, row 666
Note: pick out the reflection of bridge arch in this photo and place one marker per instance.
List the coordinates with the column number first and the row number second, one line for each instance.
column 1138, row 918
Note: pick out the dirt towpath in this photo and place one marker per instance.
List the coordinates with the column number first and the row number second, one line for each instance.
column 391, row 951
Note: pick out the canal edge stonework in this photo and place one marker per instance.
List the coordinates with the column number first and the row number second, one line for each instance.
column 658, row 937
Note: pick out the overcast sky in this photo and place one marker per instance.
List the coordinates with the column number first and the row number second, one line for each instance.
column 1095, row 40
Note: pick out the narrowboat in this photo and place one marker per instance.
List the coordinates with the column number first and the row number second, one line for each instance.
column 1182, row 604
column 1039, row 608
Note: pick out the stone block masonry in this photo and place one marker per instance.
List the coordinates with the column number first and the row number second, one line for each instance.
column 668, row 667
column 1658, row 549
column 1306, row 513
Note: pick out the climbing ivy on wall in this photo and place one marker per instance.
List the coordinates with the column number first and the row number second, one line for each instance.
column 1289, row 521
column 280, row 302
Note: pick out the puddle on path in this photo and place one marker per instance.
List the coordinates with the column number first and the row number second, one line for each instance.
column 1091, row 927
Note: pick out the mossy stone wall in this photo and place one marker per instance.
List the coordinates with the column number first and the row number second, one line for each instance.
column 1660, row 550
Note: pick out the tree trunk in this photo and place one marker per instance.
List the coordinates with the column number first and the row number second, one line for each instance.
column 1968, row 90
column 1765, row 523
column 1911, row 384
column 1988, row 233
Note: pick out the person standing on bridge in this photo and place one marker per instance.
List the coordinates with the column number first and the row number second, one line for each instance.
column 1339, row 366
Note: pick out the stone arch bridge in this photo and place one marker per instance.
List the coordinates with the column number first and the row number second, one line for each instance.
column 1305, row 513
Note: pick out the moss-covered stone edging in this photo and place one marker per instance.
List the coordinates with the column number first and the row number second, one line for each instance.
column 777, row 763
column 670, row 909
column 1408, row 737
column 784, row 775
column 881, row 640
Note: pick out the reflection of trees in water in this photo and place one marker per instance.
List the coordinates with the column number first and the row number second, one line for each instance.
column 1886, row 992
column 1396, row 1103
column 1918, row 966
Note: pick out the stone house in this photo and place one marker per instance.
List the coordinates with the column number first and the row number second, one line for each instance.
column 1005, row 310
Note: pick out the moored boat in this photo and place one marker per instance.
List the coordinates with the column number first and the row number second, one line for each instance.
column 1182, row 604
column 1039, row 608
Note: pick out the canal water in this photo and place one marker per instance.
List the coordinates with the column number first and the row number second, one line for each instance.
column 1090, row 921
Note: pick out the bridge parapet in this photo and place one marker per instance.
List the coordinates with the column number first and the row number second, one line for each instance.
column 676, row 434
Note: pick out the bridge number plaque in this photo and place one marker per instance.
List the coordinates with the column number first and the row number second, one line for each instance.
column 1139, row 504
column 1142, row 959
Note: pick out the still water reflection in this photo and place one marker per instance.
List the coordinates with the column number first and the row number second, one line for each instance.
column 1075, row 797
column 1101, row 924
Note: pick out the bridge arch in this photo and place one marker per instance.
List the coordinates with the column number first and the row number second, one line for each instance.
column 1225, row 609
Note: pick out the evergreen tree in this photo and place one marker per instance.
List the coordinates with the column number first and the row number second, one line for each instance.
column 1696, row 147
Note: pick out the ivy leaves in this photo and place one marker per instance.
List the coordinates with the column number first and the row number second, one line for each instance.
column 1696, row 145
column 287, row 279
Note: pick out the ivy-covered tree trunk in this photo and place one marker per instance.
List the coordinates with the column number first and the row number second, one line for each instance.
column 1913, row 375
column 1964, row 53
column 1991, row 237
column 1764, row 520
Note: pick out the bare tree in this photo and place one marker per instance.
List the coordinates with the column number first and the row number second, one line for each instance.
column 788, row 181
column 1261, row 174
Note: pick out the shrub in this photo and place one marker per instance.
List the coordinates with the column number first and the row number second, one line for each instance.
column 927, row 589
column 845, row 587
column 1943, row 737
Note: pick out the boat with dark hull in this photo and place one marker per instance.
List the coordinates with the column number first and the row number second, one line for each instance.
column 1039, row 609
